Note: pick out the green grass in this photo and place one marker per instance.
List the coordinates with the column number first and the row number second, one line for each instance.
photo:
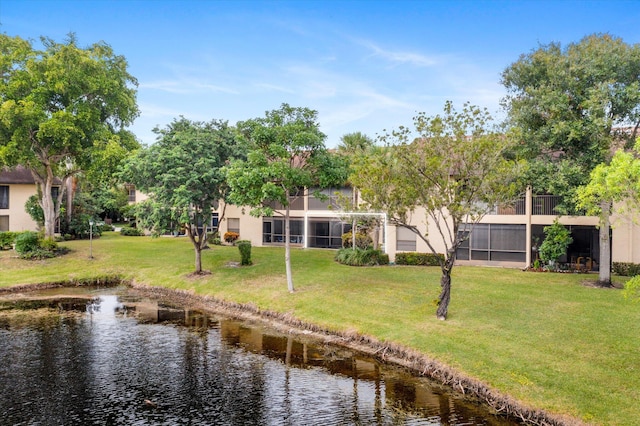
column 543, row 338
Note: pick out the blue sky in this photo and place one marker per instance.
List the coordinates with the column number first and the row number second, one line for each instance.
column 363, row 65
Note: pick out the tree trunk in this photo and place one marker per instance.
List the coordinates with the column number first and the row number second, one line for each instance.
column 192, row 230
column 445, row 295
column 287, row 248
column 198, row 259
column 604, row 276
column 445, row 284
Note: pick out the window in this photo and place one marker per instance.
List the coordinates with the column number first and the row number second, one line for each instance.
column 296, row 201
column 405, row 239
column 4, row 223
column 4, row 196
column 233, row 225
column 495, row 242
column 273, row 230
column 327, row 233
column 131, row 190
column 332, row 201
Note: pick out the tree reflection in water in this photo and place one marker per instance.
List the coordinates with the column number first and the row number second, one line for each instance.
column 117, row 359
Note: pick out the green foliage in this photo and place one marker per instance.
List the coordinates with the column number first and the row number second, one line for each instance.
column 632, row 289
column 286, row 153
column 32, row 207
column 626, row 269
column 131, row 232
column 27, row 242
column 183, row 174
column 30, row 245
column 60, row 105
column 363, row 241
column 7, row 239
column 556, row 242
column 617, row 184
column 361, row 257
column 456, row 169
column 421, row 259
column 244, row 246
column 565, row 102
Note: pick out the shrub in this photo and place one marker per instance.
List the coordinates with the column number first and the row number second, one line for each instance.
column 626, row 269
column 245, row 251
column 7, row 239
column 105, row 227
column 361, row 257
column 128, row 231
column 214, row 238
column 27, row 242
column 556, row 241
column 363, row 241
column 230, row 237
column 419, row 259
column 30, row 245
column 49, row 244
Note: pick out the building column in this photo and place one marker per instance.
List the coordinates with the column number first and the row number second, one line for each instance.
column 528, row 203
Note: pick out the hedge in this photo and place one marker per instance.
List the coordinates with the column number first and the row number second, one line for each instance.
column 626, row 269
column 420, row 259
column 360, row 257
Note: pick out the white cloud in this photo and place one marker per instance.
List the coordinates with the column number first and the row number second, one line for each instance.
column 401, row 57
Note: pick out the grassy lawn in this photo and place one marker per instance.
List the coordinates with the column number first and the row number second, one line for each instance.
column 545, row 339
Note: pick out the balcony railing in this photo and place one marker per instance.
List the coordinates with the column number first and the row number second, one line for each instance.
column 540, row 205
column 544, row 205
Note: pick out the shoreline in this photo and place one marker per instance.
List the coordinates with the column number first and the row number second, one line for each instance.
column 388, row 352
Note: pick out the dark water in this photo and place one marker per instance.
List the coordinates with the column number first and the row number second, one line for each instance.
column 114, row 359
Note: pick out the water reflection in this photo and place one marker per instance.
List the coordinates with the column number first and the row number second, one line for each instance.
column 120, row 360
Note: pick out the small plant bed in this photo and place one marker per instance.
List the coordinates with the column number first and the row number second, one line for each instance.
column 31, row 246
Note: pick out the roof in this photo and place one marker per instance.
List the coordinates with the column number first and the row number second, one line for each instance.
column 18, row 174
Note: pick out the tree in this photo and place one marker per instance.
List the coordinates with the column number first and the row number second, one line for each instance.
column 286, row 157
column 58, row 107
column 613, row 188
column 570, row 106
column 454, row 172
column 354, row 143
column 352, row 146
column 556, row 242
column 182, row 173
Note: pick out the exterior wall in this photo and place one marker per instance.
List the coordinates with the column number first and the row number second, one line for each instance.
column 19, row 219
column 626, row 242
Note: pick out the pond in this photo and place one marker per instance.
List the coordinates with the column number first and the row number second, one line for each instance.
column 109, row 357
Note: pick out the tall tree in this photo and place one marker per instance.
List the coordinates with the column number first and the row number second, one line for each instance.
column 287, row 156
column 182, row 173
column 617, row 187
column 454, row 172
column 571, row 104
column 59, row 105
column 354, row 143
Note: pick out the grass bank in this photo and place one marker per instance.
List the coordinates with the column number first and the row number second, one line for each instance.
column 545, row 339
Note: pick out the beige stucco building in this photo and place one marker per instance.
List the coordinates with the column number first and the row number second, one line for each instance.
column 16, row 186
column 508, row 237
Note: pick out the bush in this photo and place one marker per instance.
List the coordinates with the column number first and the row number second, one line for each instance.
column 556, row 242
column 214, row 238
column 27, row 242
column 419, row 259
column 230, row 237
column 7, row 239
column 363, row 241
column 626, row 269
column 245, row 251
column 128, row 231
column 361, row 257
column 30, row 245
column 105, row 227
